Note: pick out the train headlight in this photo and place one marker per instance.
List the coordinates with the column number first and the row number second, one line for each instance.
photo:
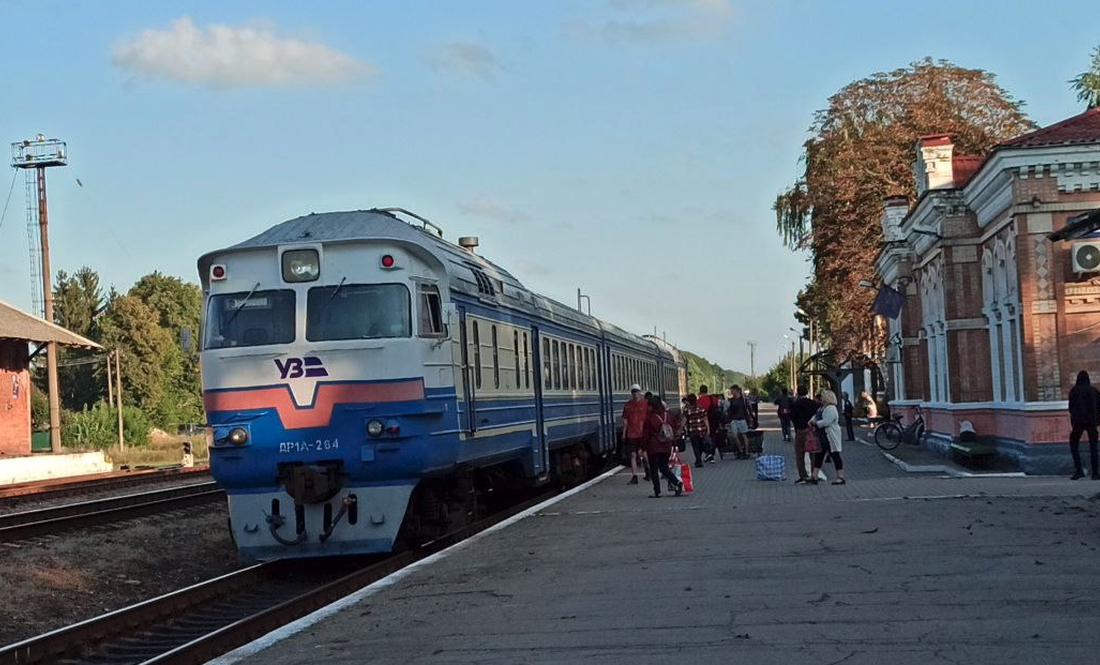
column 375, row 428
column 301, row 265
column 238, row 436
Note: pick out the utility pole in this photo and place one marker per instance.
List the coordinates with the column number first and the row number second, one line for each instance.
column 39, row 154
column 118, row 394
column 752, row 363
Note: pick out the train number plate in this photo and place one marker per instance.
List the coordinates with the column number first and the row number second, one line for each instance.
column 309, row 446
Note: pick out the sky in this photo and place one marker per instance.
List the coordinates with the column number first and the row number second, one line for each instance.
column 630, row 148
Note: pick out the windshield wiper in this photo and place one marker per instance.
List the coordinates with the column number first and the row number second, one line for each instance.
column 241, row 305
column 334, row 292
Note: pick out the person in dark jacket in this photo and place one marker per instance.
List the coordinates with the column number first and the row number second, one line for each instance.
column 1084, row 415
column 783, row 408
column 658, row 451
column 802, row 411
column 849, row 411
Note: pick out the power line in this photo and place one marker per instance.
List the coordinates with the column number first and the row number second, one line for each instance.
column 10, row 190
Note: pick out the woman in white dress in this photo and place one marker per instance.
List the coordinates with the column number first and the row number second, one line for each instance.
column 828, row 421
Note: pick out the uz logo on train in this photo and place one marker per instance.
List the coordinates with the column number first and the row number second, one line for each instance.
column 296, row 368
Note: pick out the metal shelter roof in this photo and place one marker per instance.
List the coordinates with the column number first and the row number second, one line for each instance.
column 19, row 325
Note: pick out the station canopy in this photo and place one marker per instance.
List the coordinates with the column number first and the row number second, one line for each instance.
column 15, row 324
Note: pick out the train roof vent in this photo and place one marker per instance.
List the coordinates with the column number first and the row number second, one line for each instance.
column 468, row 243
column 484, row 283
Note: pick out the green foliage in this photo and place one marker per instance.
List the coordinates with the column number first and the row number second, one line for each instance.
column 777, row 378
column 1087, row 84
column 97, row 427
column 703, row 372
column 78, row 303
column 40, row 409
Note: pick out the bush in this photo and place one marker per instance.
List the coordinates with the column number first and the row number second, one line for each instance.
column 97, row 427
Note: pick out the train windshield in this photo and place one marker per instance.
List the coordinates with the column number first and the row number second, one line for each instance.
column 358, row 311
column 250, row 318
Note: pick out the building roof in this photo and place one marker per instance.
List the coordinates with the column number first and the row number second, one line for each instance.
column 1082, row 128
column 19, row 325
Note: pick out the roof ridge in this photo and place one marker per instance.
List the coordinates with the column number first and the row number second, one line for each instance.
column 1048, row 131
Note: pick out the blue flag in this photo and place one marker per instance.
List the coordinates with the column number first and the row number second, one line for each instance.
column 888, row 302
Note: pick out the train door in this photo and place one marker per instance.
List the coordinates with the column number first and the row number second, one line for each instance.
column 469, row 344
column 540, row 453
column 607, row 400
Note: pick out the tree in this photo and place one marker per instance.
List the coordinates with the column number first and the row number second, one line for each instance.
column 149, row 353
column 178, row 306
column 78, row 303
column 860, row 153
column 1087, row 84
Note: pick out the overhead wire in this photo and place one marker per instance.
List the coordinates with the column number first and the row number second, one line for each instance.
column 6, row 202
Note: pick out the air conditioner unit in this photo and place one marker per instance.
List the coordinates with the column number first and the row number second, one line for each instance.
column 1085, row 255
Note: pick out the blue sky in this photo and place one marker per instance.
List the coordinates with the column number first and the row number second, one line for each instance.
column 588, row 143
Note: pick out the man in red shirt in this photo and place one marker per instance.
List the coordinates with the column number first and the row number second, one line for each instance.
column 634, row 415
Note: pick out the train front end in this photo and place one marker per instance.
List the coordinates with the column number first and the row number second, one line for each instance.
column 328, row 389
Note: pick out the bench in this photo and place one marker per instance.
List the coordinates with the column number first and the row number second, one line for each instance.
column 974, row 451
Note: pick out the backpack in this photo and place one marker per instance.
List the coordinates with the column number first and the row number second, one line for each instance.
column 664, row 434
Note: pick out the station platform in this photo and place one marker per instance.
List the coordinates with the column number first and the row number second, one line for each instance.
column 893, row 567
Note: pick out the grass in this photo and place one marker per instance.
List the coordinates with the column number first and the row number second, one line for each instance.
column 164, row 450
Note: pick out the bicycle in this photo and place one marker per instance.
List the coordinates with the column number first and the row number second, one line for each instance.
column 892, row 433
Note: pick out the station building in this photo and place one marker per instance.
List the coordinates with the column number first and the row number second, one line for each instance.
column 19, row 332
column 1001, row 311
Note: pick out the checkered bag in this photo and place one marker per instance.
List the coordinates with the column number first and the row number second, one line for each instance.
column 771, row 467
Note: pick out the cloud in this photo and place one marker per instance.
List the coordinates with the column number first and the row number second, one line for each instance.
column 653, row 21
column 487, row 208
column 223, row 56
column 466, row 59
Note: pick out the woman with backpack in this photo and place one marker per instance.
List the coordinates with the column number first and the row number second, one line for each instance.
column 658, row 439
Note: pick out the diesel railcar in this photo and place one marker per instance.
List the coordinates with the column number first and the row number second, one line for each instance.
column 364, row 379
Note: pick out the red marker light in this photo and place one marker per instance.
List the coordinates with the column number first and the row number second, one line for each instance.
column 217, row 272
column 387, row 261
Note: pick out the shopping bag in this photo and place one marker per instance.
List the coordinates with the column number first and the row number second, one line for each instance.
column 771, row 467
column 685, row 478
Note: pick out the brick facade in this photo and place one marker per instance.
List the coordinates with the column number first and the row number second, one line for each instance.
column 1016, row 320
column 15, row 399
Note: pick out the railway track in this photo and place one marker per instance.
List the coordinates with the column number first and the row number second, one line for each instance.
column 201, row 622
column 46, row 521
column 60, row 488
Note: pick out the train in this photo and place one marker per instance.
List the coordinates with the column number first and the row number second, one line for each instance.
column 366, row 380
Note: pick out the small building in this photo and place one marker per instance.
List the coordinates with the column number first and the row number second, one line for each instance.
column 998, row 317
column 19, row 332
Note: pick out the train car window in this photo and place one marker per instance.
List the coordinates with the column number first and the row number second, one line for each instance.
column 429, row 312
column 572, row 367
column 547, row 379
column 582, row 368
column 476, row 336
column 250, row 319
column 515, row 356
column 358, row 311
column 526, row 363
column 557, row 365
column 594, row 370
column 496, row 360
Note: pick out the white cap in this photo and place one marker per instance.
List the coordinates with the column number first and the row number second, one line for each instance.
column 635, row 387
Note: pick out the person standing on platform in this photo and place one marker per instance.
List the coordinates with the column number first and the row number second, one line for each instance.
column 783, row 408
column 739, row 414
column 829, row 423
column 658, row 450
column 849, row 411
column 802, row 411
column 695, row 422
column 1084, row 415
column 634, row 415
column 709, row 404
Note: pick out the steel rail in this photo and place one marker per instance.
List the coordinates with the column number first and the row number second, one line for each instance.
column 62, row 487
column 15, row 526
column 196, row 624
